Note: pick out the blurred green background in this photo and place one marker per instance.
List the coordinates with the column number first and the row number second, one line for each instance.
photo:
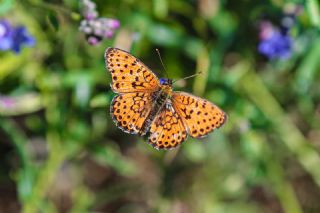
column 61, row 152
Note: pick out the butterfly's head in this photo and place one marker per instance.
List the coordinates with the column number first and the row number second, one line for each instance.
column 165, row 81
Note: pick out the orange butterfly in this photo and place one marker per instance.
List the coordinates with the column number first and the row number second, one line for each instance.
column 146, row 104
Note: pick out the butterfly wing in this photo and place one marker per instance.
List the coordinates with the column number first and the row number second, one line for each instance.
column 198, row 115
column 130, row 110
column 128, row 73
column 167, row 130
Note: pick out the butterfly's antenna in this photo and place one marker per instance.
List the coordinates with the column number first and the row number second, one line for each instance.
column 191, row 76
column 164, row 68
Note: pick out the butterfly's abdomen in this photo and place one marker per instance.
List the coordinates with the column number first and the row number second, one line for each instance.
column 159, row 100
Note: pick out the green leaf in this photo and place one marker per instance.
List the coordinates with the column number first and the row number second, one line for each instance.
column 166, row 36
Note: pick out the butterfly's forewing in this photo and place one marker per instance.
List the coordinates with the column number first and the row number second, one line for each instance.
column 167, row 130
column 130, row 110
column 199, row 115
column 128, row 73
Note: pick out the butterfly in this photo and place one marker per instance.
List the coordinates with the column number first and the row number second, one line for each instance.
column 145, row 104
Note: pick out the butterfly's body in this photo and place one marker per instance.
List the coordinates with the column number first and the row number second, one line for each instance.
column 145, row 104
column 159, row 98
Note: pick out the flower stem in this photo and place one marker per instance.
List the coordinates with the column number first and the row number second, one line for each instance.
column 203, row 62
column 252, row 85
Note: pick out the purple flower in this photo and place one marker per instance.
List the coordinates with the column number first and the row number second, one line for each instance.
column 5, row 35
column 14, row 37
column 20, row 36
column 96, row 28
column 276, row 46
column 273, row 43
column 89, row 10
column 6, row 102
column 110, row 23
column 276, row 41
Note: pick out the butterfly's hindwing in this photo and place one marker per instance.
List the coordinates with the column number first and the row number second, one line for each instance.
column 167, row 130
column 129, row 111
column 199, row 115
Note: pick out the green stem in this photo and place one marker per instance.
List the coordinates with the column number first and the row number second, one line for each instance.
column 281, row 187
column 312, row 7
column 18, row 139
column 203, row 62
column 308, row 157
column 308, row 69
column 82, row 199
column 26, row 172
column 46, row 175
column 57, row 156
